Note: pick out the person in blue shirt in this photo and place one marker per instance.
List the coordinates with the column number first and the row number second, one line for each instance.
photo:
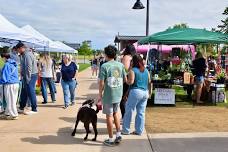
column 69, row 74
column 10, row 81
column 14, row 55
column 140, row 85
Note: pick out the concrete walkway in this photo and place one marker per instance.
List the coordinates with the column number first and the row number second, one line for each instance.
column 190, row 142
column 50, row 130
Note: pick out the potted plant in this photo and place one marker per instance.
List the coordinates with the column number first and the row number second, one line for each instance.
column 221, row 77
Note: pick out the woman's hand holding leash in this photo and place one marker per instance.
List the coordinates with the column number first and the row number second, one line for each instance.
column 99, row 103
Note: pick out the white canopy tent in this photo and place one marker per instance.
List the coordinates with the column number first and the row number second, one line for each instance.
column 66, row 47
column 10, row 33
column 52, row 46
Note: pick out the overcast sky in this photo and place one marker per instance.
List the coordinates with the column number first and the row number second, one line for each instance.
column 101, row 20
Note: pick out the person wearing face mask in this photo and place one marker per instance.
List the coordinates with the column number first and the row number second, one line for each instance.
column 29, row 76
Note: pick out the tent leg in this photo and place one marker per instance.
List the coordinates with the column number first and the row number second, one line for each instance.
column 217, row 48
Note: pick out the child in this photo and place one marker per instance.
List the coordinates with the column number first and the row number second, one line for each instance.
column 111, row 77
column 10, row 81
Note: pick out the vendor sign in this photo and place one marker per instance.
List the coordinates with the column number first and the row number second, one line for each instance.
column 219, row 94
column 164, row 96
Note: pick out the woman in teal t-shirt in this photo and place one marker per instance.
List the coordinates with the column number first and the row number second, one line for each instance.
column 139, row 79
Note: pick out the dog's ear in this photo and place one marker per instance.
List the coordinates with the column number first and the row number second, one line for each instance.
column 91, row 102
column 86, row 102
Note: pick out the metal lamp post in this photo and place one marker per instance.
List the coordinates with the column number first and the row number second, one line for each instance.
column 139, row 5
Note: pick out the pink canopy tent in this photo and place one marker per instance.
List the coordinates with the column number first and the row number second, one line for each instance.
column 164, row 48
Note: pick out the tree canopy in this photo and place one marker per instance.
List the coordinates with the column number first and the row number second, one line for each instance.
column 180, row 25
column 224, row 26
column 85, row 49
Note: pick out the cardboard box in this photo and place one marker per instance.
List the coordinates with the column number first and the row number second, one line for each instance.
column 187, row 78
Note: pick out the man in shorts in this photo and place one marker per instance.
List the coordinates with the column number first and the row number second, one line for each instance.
column 111, row 77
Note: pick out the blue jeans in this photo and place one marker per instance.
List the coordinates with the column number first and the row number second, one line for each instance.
column 29, row 91
column 137, row 99
column 54, row 86
column 199, row 79
column 69, row 91
column 44, row 82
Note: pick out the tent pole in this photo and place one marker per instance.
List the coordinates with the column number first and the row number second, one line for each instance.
column 148, row 50
column 190, row 58
column 161, row 49
column 205, row 49
column 195, row 47
column 217, row 46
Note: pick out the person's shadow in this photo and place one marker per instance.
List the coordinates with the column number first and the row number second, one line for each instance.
column 72, row 120
column 63, row 137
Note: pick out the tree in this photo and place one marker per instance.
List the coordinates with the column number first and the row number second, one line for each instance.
column 85, row 49
column 224, row 26
column 99, row 52
column 3, row 49
column 181, row 25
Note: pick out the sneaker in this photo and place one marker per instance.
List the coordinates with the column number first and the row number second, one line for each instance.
column 2, row 117
column 124, row 133
column 30, row 112
column 44, row 102
column 118, row 140
column 11, row 118
column 20, row 111
column 135, row 133
column 109, row 143
column 65, row 107
column 72, row 104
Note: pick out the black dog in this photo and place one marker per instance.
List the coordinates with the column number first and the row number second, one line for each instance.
column 87, row 115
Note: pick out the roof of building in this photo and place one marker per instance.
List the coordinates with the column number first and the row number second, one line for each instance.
column 76, row 46
column 119, row 38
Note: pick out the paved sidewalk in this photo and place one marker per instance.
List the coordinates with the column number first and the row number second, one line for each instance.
column 50, row 129
column 190, row 142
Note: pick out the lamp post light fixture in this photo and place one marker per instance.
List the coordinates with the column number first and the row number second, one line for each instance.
column 139, row 5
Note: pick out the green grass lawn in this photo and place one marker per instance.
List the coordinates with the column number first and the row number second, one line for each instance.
column 83, row 67
column 86, row 57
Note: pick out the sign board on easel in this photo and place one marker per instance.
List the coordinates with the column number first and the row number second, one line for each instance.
column 164, row 96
